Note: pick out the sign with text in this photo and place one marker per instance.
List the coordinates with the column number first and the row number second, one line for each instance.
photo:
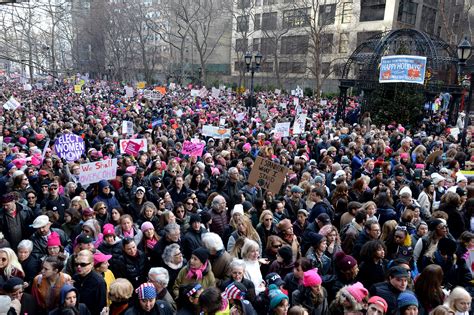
column 11, row 104
column 402, row 68
column 282, row 129
column 142, row 142
column 94, row 172
column 70, row 147
column 216, row 132
column 299, row 125
column 193, row 148
column 128, row 91
column 267, row 174
column 127, row 127
column 78, row 89
column 132, row 148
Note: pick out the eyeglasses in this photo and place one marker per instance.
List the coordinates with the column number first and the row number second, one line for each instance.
column 82, row 265
column 277, row 245
column 102, row 208
column 442, row 227
column 31, row 197
column 190, row 203
column 269, row 219
column 53, row 188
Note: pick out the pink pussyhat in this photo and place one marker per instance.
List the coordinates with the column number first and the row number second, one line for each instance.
column 358, row 291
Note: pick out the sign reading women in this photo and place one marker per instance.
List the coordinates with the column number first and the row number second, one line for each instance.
column 70, row 147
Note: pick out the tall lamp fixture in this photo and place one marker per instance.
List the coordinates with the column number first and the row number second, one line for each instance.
column 252, row 67
column 464, row 52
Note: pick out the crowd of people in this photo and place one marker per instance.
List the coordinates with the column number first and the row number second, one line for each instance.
column 370, row 219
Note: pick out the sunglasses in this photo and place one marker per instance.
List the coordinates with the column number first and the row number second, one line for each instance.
column 190, row 203
column 82, row 265
column 102, row 208
column 277, row 246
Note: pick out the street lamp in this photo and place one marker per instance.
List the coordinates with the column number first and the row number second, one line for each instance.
column 109, row 72
column 464, row 53
column 252, row 67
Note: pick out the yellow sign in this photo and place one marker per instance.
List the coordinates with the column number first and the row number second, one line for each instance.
column 141, row 85
column 78, row 88
column 82, row 82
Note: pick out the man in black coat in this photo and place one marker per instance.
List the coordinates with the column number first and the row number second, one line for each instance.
column 192, row 238
column 14, row 220
column 40, row 237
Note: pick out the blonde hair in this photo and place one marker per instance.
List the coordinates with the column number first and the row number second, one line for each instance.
column 387, row 229
column 82, row 202
column 250, row 231
column 120, row 290
column 248, row 246
column 458, row 293
column 13, row 262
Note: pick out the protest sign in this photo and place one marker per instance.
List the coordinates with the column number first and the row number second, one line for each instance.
column 216, row 132
column 203, row 92
column 267, row 174
column 470, row 261
column 161, row 90
column 402, row 68
column 454, row 132
column 277, row 91
column 128, row 91
column 78, row 89
column 132, row 148
column 215, row 92
column 94, row 172
column 141, row 85
column 221, row 121
column 194, row 93
column 299, row 125
column 70, row 147
column 282, row 129
column 11, row 104
column 127, row 127
column 44, row 149
column 142, row 142
column 240, row 116
column 27, row 87
column 193, row 148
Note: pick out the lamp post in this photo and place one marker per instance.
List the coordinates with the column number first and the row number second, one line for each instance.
column 464, row 53
column 252, row 67
column 109, row 72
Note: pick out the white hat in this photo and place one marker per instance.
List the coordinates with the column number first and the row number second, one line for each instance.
column 339, row 174
column 405, row 190
column 460, row 177
column 238, row 208
column 436, row 178
column 40, row 221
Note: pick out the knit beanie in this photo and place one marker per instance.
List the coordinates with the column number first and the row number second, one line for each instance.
column 344, row 262
column 146, row 226
column 358, row 291
column 405, row 299
column 194, row 218
column 286, row 253
column 314, row 238
column 379, row 301
column 108, row 229
column 202, row 254
column 311, row 278
column 275, row 295
column 433, row 224
column 54, row 240
column 146, row 291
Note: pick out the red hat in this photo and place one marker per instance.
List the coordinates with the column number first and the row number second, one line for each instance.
column 43, row 172
column 22, row 140
column 54, row 240
column 87, row 212
column 379, row 301
column 108, row 229
column 39, row 136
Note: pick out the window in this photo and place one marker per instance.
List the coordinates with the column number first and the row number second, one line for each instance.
column 364, row 36
column 242, row 4
column 326, row 68
column 292, row 67
column 269, row 21
column 407, row 12
column 266, row 66
column 240, row 66
column 256, row 44
column 257, row 23
column 326, row 43
column 294, row 45
column 428, row 16
column 243, row 23
column 267, row 46
column 372, row 10
column 327, row 14
column 433, row 3
column 346, row 12
column 338, row 69
column 269, row 2
column 296, row 18
column 241, row 45
column 344, row 43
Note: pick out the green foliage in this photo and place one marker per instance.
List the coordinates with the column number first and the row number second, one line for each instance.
column 308, row 92
column 400, row 102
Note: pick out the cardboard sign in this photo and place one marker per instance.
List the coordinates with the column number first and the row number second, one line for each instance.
column 94, row 172
column 78, row 89
column 142, row 142
column 132, row 148
column 70, row 147
column 193, row 148
column 194, row 93
column 282, row 129
column 215, row 92
column 127, row 127
column 161, row 90
column 216, row 132
column 299, row 125
column 44, row 149
column 267, row 174
column 11, row 104
column 141, row 85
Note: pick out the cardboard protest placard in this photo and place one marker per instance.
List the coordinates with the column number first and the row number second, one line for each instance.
column 44, row 149
column 240, row 116
column 215, row 92
column 282, row 129
column 267, row 174
column 161, row 90
column 78, row 89
column 470, row 261
column 94, row 172
column 299, row 125
column 194, row 92
column 193, row 148
column 70, row 147
column 132, row 148
column 142, row 142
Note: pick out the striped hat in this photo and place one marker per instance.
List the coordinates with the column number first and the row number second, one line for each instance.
column 235, row 291
column 146, row 291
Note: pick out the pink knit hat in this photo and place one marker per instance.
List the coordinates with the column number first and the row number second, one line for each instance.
column 358, row 291
column 311, row 278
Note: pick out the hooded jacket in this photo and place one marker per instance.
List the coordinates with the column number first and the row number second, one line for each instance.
column 110, row 200
column 83, row 310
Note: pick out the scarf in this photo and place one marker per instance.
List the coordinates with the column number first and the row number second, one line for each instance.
column 196, row 272
column 151, row 243
column 128, row 233
column 174, row 266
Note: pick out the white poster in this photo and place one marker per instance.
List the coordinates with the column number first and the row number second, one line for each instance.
column 129, row 91
column 299, row 125
column 94, row 172
column 11, row 104
column 282, row 129
column 127, row 127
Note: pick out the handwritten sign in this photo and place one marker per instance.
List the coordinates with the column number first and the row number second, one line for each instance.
column 193, row 148
column 70, row 147
column 299, row 125
column 11, row 104
column 78, row 89
column 128, row 91
column 142, row 142
column 402, row 68
column 267, row 174
column 216, row 132
column 141, row 85
column 94, row 172
column 282, row 129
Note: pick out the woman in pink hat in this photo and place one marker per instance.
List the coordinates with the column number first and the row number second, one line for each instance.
column 311, row 294
column 101, row 266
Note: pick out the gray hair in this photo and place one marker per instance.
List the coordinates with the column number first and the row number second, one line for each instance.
column 248, row 246
column 169, row 252
column 171, row 227
column 26, row 244
column 160, row 275
column 217, row 199
column 237, row 263
column 212, row 241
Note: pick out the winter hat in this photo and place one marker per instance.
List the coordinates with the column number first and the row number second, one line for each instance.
column 276, row 296
column 311, row 278
column 195, row 218
column 146, row 291
column 146, row 226
column 53, row 239
column 274, row 278
column 358, row 291
column 379, row 301
column 202, row 254
column 460, row 177
column 314, row 238
column 433, row 224
column 436, row 178
column 11, row 283
column 427, row 183
column 406, row 298
column 205, row 216
column 405, row 191
column 344, row 262
column 100, row 258
column 103, row 183
column 238, row 208
column 286, row 253
column 447, row 246
column 8, row 197
column 108, row 229
column 235, row 291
